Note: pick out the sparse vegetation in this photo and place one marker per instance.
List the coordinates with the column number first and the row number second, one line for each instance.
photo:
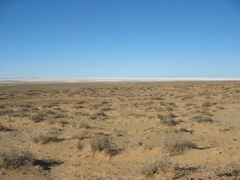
column 207, row 104
column 50, row 112
column 227, row 169
column 46, row 139
column 100, row 143
column 176, row 144
column 169, row 122
column 38, row 117
column 80, row 146
column 24, row 109
column 99, row 116
column 184, row 130
column 5, row 112
column 16, row 159
column 59, row 115
column 106, row 130
column 166, row 116
column 159, row 165
column 3, row 128
column 168, row 119
column 80, row 102
column 202, row 119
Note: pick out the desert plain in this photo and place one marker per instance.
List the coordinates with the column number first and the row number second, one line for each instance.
column 120, row 130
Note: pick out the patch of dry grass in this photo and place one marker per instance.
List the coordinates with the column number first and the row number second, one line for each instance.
column 202, row 119
column 176, row 144
column 16, row 159
column 168, row 119
column 227, row 169
column 161, row 165
column 6, row 112
column 4, row 128
column 103, row 143
column 46, row 139
column 38, row 117
column 79, row 146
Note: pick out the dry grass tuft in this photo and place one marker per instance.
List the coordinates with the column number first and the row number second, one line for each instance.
column 160, row 165
column 3, row 128
column 169, row 122
column 166, row 116
column 5, row 112
column 208, row 104
column 80, row 102
column 168, row 119
column 99, row 116
column 175, row 144
column 183, row 130
column 227, row 169
column 202, row 119
column 16, row 159
column 38, row 117
column 112, row 151
column 50, row 112
column 46, row 139
column 24, row 109
column 80, row 146
column 100, row 143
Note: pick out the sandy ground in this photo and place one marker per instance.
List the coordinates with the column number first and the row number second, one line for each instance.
column 120, row 130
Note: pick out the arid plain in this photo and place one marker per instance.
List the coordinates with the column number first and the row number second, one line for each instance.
column 120, row 130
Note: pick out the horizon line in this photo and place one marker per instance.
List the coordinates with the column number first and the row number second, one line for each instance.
column 5, row 81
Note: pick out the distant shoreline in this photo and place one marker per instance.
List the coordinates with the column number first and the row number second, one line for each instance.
column 94, row 80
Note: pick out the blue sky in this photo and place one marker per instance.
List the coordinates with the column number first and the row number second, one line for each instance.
column 120, row 38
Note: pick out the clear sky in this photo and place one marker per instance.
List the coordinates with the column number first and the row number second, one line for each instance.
column 119, row 38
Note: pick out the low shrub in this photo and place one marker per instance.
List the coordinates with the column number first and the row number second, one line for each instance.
column 5, row 112
column 175, row 144
column 38, row 117
column 3, row 128
column 46, row 139
column 202, row 119
column 99, row 143
column 16, row 159
column 168, row 119
column 158, row 165
column 227, row 169
column 102, row 143
column 80, row 146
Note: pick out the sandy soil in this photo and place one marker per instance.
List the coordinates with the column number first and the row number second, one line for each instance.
column 140, row 130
